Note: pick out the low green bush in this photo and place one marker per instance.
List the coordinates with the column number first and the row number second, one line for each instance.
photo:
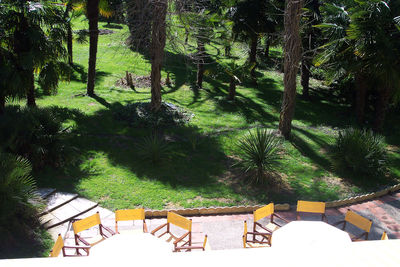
column 139, row 114
column 361, row 153
column 258, row 151
column 36, row 134
column 20, row 231
column 153, row 149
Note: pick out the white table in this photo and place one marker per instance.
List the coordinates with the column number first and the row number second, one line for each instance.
column 131, row 244
column 309, row 234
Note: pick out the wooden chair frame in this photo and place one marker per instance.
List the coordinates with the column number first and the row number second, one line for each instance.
column 266, row 237
column 182, row 222
column 366, row 228
column 59, row 246
column 304, row 207
column 130, row 215
column 102, row 229
column 189, row 248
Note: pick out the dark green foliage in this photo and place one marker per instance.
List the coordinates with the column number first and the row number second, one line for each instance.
column 259, row 154
column 360, row 152
column 36, row 134
column 139, row 114
column 19, row 207
column 154, row 149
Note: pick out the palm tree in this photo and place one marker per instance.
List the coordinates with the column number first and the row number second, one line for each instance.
column 292, row 49
column 93, row 8
column 33, row 36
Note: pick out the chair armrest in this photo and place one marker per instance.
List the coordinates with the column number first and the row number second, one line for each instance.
column 181, row 238
column 281, row 218
column 82, row 240
column 258, row 233
column 339, row 222
column 269, row 231
column 79, row 247
column 108, row 230
column 158, row 228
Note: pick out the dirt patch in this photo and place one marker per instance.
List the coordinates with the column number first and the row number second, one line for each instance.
column 344, row 186
column 201, row 199
column 172, row 206
column 137, row 81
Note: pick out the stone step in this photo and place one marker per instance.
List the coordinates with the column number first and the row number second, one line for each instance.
column 58, row 200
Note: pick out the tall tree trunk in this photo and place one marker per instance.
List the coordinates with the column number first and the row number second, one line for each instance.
column 292, row 49
column 93, row 16
column 232, row 89
column 305, row 77
column 2, row 104
column 381, row 107
column 200, row 64
column 30, row 92
column 68, row 9
column 69, row 44
column 267, row 45
column 158, row 36
column 253, row 54
column 361, row 94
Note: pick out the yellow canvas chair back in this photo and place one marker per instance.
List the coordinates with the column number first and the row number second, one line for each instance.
column 263, row 212
column 384, row 236
column 179, row 220
column 86, row 223
column 311, row 207
column 358, row 220
column 57, row 247
column 130, row 215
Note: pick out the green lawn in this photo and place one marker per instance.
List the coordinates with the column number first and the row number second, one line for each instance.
column 109, row 168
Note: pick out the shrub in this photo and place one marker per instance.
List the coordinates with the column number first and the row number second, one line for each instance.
column 19, row 207
column 153, row 149
column 139, row 114
column 259, row 154
column 360, row 152
column 35, row 134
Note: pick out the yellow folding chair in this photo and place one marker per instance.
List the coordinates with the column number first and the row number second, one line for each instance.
column 384, row 236
column 130, row 215
column 311, row 207
column 358, row 221
column 59, row 246
column 87, row 223
column 272, row 225
column 254, row 242
column 184, row 241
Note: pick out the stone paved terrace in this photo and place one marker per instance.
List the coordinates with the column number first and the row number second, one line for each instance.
column 225, row 231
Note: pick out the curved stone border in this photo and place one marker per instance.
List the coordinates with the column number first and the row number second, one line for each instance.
column 278, row 207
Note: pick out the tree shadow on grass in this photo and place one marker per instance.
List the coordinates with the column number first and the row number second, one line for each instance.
column 79, row 74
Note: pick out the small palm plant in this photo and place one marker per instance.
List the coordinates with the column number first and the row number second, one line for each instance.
column 360, row 152
column 153, row 149
column 259, row 154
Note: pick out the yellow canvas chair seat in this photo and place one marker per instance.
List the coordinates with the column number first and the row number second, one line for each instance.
column 358, row 221
column 311, row 207
column 59, row 246
column 180, row 241
column 130, row 215
column 87, row 223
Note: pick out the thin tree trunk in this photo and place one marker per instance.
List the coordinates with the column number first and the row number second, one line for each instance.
column 69, row 44
column 253, row 54
column 200, row 64
column 2, row 104
column 232, row 89
column 227, row 50
column 68, row 9
column 267, row 45
column 30, row 92
column 157, row 51
column 93, row 16
column 292, row 49
column 381, row 108
column 361, row 94
column 305, row 77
